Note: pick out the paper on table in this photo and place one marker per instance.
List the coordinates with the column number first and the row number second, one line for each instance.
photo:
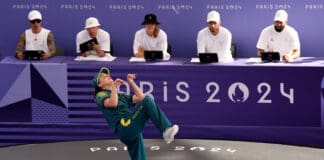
column 107, row 58
column 136, row 59
column 195, row 60
column 254, row 60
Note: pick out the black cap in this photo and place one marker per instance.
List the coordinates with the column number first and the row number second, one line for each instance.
column 150, row 19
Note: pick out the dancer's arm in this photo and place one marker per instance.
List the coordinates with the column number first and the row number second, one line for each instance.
column 112, row 102
column 138, row 93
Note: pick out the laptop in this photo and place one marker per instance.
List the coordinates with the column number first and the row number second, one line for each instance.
column 87, row 45
column 33, row 54
column 270, row 57
column 208, row 57
column 153, row 55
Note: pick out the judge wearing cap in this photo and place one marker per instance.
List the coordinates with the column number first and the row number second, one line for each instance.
column 280, row 37
column 215, row 39
column 92, row 30
column 36, row 38
column 151, row 37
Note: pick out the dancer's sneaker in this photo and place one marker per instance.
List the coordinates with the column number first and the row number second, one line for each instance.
column 169, row 133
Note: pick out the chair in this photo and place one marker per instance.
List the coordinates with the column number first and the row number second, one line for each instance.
column 111, row 49
column 233, row 50
column 169, row 49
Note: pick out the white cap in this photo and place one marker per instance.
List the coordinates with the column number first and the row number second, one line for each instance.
column 34, row 14
column 281, row 15
column 91, row 22
column 213, row 16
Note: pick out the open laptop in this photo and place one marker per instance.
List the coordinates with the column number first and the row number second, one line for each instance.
column 33, row 54
column 208, row 57
column 153, row 55
column 87, row 45
column 270, row 57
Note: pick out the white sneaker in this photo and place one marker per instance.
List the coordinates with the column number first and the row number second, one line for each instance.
column 169, row 133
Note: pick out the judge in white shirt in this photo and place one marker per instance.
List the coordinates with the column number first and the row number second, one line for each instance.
column 280, row 37
column 150, row 38
column 36, row 38
column 92, row 30
column 215, row 39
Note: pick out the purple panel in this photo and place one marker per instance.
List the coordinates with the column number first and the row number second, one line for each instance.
column 16, row 112
column 11, row 73
column 184, row 95
column 55, row 74
column 322, row 100
column 43, row 112
column 245, row 19
column 24, row 133
column 20, row 90
column 41, row 90
column 231, row 95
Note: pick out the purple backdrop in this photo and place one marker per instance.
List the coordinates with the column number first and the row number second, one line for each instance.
column 181, row 19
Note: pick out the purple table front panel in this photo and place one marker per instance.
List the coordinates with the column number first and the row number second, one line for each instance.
column 224, row 95
column 279, row 103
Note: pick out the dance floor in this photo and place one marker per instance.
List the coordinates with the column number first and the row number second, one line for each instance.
column 157, row 149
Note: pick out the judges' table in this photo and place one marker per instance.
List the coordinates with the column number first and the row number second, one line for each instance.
column 243, row 100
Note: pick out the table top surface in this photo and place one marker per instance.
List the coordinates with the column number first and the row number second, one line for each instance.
column 300, row 62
